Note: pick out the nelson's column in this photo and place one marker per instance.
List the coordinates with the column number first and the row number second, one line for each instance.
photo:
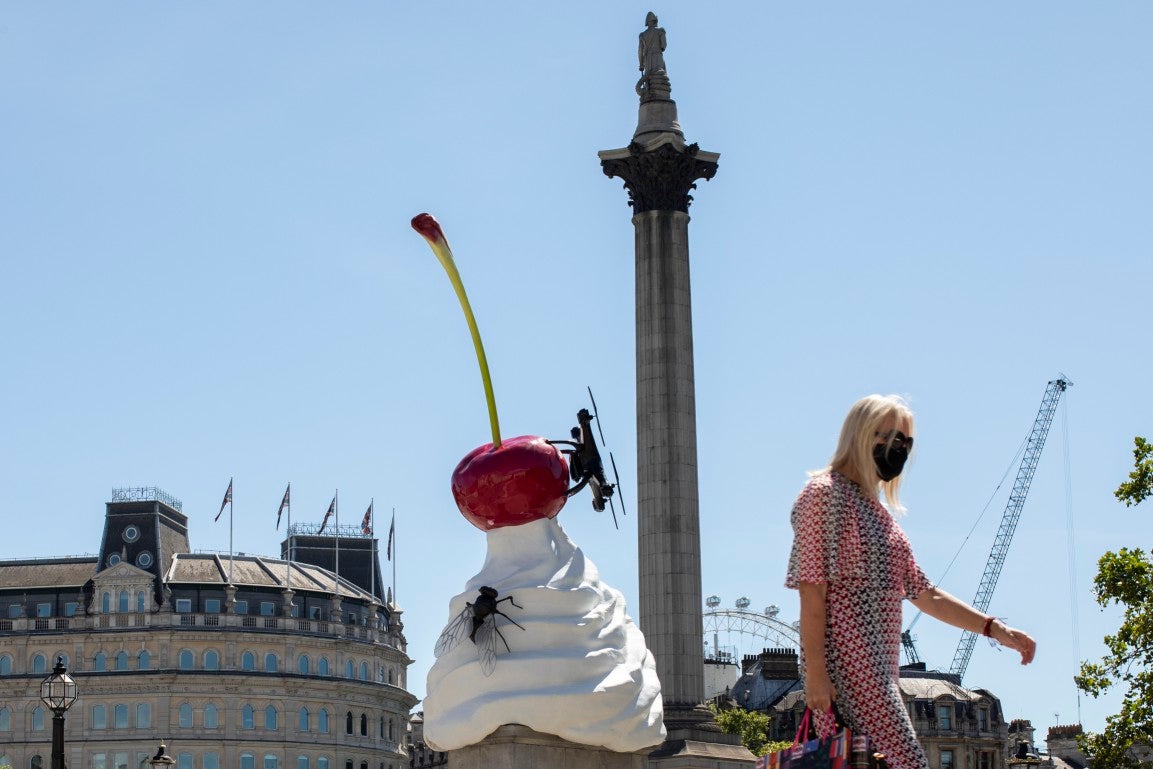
column 659, row 170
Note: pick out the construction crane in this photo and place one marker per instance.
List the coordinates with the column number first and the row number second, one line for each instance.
column 1033, row 446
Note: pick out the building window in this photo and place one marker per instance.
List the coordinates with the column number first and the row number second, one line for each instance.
column 247, row 761
column 946, row 759
column 185, row 717
column 70, row 609
column 99, row 761
column 105, row 602
column 349, row 669
column 121, row 660
column 143, row 715
column 267, row 609
column 381, row 732
column 184, row 605
column 40, row 665
column 302, row 762
column 391, row 676
column 241, row 607
column 131, row 533
column 212, row 660
column 99, row 662
column 322, row 724
column 363, row 725
column 247, row 719
column 322, row 666
column 5, row 665
column 37, row 719
column 15, row 611
column 122, row 602
column 348, row 764
column 187, row 660
column 144, row 559
column 271, row 761
column 184, row 761
column 212, row 606
column 983, row 719
column 210, row 718
column 302, row 724
column 248, row 661
column 121, row 715
column 113, row 559
column 302, row 664
column 364, row 671
column 983, row 760
column 270, row 718
column 314, row 612
column 271, row 663
column 210, row 761
column 99, row 717
column 945, row 717
column 120, row 760
column 390, row 734
column 322, row 762
column 140, row 602
column 43, row 610
column 143, row 660
column 348, row 723
column 5, row 723
column 36, row 762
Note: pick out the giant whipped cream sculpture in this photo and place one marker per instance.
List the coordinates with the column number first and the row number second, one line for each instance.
column 535, row 638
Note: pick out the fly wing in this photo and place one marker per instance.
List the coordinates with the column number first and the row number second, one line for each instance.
column 486, row 644
column 456, row 632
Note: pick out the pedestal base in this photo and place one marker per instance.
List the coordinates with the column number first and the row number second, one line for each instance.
column 517, row 747
column 696, row 742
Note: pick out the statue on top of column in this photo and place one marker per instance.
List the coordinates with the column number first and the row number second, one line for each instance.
column 654, row 82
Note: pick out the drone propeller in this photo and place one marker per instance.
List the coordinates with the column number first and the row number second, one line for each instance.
column 617, row 486
column 597, row 418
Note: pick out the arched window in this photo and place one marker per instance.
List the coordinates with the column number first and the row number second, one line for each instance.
column 364, row 671
column 270, row 717
column 37, row 719
column 322, row 762
column 105, row 602
column 187, row 659
column 99, row 662
column 322, row 723
column 212, row 660
column 210, row 718
column 5, row 723
column 185, row 721
column 391, row 676
column 303, row 723
column 247, row 720
column 40, row 665
column 381, row 732
column 122, row 602
column 391, row 736
column 184, row 760
column 302, row 667
column 36, row 762
column 322, row 666
column 302, row 762
column 121, row 660
column 363, row 725
column 121, row 715
column 99, row 717
column 247, row 761
column 363, row 765
column 349, row 669
column 143, row 660
column 63, row 658
column 271, row 761
column 248, row 662
column 210, row 761
column 5, row 665
column 348, row 723
column 140, row 602
column 143, row 715
column 271, row 662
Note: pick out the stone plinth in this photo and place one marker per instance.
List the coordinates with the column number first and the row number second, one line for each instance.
column 517, row 747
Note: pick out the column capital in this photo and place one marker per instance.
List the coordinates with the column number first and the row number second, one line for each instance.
column 659, row 175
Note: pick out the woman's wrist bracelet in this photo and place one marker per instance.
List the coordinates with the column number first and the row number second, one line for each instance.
column 988, row 629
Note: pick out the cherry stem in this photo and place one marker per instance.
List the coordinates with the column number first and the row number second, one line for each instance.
column 430, row 230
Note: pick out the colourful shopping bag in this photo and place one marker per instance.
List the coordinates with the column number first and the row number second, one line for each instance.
column 827, row 752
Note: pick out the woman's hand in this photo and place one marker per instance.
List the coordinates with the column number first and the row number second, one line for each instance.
column 1018, row 640
column 819, row 691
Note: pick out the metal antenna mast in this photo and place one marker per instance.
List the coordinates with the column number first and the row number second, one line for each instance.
column 1012, row 514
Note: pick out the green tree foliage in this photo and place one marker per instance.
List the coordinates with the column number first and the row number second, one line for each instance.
column 1126, row 578
column 751, row 726
column 1140, row 483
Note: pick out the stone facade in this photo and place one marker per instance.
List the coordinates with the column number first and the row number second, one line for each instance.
column 289, row 667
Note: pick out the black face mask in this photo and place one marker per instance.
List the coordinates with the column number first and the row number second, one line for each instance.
column 890, row 461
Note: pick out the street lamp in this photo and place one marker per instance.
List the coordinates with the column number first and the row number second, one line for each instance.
column 161, row 760
column 58, row 691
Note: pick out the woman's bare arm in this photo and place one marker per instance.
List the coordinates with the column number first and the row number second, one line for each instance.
column 947, row 608
column 819, row 691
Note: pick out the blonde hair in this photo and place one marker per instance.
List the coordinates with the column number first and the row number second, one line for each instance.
column 854, row 454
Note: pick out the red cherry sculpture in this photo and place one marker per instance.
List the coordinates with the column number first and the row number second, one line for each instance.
column 522, row 480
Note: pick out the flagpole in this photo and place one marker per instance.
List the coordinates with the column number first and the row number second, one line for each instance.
column 231, row 505
column 372, row 546
column 288, row 496
column 336, row 510
column 392, row 553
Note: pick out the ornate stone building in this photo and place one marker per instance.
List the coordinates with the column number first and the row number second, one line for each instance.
column 240, row 662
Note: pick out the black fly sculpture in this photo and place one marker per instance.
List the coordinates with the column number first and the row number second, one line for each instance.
column 586, row 467
column 477, row 623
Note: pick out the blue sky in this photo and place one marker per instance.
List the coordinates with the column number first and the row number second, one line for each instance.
column 206, row 270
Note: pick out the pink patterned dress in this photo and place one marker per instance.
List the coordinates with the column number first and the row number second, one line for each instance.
column 850, row 542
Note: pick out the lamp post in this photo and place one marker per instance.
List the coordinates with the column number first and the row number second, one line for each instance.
column 58, row 691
